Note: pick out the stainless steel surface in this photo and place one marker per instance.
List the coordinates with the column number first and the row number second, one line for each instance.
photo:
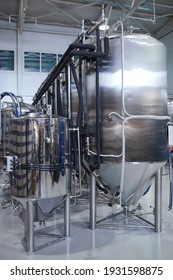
column 29, row 227
column 170, row 108
column 67, row 216
column 7, row 113
column 138, row 178
column 85, row 244
column 144, row 88
column 158, row 201
column 42, row 151
column 133, row 85
column 93, row 201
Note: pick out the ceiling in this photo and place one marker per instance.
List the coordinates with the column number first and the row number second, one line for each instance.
column 149, row 16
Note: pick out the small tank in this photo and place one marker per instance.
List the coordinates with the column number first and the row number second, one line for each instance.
column 40, row 145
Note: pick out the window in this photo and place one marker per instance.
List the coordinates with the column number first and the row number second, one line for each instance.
column 39, row 62
column 6, row 60
column 48, row 61
column 32, row 61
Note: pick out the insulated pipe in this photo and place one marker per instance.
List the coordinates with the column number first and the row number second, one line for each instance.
column 59, row 101
column 88, row 53
column 58, row 68
column 101, row 55
column 79, row 90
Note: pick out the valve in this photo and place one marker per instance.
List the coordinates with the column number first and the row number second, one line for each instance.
column 9, row 162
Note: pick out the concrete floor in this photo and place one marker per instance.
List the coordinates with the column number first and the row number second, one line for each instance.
column 121, row 242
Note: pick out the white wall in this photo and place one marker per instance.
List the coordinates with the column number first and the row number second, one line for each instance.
column 168, row 41
column 24, row 83
column 46, row 39
column 8, row 79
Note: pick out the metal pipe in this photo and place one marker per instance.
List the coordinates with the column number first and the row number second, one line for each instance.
column 158, row 201
column 144, row 19
column 67, row 216
column 29, row 227
column 92, row 201
column 79, row 162
column 98, row 142
column 69, row 91
column 132, row 4
column 159, row 5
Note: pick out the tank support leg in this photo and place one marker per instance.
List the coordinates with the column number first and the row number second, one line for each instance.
column 67, row 216
column 92, row 201
column 158, row 201
column 29, row 227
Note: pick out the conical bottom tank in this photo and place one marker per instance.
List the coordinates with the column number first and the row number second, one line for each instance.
column 138, row 177
column 132, row 114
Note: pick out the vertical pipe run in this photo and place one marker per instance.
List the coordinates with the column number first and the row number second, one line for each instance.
column 56, row 97
column 58, row 101
column 97, row 166
column 69, row 92
column 92, row 201
column 29, row 227
column 53, row 97
column 67, row 216
column 158, row 201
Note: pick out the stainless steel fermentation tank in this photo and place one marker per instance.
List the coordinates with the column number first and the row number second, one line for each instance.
column 41, row 148
column 132, row 114
column 39, row 145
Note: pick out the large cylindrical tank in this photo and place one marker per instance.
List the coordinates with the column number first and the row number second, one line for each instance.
column 40, row 144
column 132, row 83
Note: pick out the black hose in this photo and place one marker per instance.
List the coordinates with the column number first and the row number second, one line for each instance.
column 80, row 96
column 98, row 142
column 71, row 51
column 104, row 189
column 59, row 101
column 59, row 67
